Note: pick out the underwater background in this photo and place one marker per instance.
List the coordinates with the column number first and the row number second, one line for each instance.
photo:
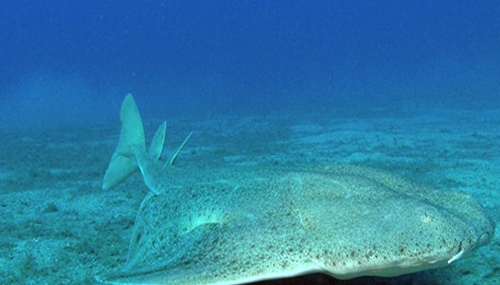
column 408, row 87
column 71, row 62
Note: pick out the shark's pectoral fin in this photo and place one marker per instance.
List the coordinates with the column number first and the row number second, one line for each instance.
column 189, row 258
column 218, row 254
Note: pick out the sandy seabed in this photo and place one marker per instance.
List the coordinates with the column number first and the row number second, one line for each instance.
column 59, row 227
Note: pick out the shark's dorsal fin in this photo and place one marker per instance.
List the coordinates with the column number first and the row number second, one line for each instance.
column 172, row 160
column 156, row 147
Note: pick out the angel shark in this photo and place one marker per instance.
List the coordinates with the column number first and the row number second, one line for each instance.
column 234, row 225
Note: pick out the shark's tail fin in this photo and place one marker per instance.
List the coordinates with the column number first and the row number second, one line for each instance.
column 131, row 144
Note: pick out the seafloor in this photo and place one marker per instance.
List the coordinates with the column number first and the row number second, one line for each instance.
column 59, row 227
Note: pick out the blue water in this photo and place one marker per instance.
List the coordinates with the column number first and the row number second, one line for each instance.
column 71, row 62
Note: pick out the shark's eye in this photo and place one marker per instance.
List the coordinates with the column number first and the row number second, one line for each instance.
column 484, row 238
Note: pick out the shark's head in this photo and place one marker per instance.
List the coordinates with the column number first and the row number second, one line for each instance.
column 372, row 223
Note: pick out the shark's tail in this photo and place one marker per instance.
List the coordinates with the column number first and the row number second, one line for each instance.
column 131, row 145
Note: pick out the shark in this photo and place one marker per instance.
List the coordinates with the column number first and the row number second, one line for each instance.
column 234, row 225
